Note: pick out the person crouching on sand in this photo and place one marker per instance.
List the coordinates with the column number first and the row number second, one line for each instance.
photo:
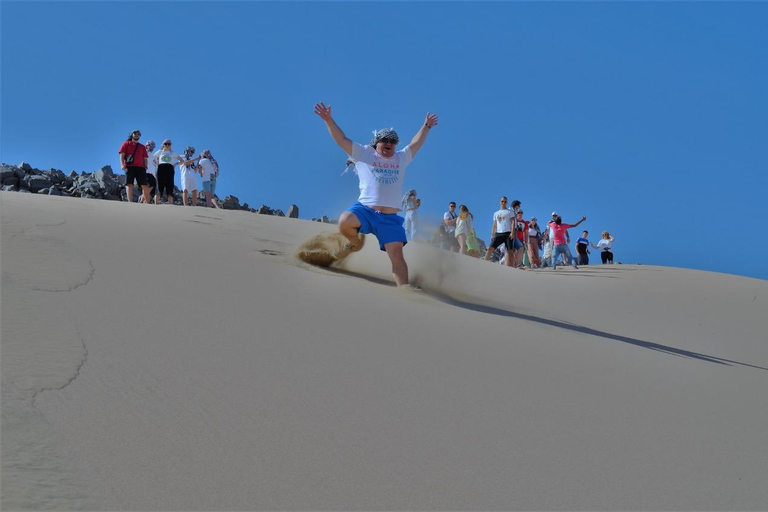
column 381, row 171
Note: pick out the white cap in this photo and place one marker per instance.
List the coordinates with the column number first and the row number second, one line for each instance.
column 554, row 213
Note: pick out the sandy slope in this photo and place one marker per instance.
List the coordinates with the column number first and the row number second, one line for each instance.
column 168, row 358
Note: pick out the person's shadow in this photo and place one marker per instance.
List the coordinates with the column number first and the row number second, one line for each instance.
column 490, row 310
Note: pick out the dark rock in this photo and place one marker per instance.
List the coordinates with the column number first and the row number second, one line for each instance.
column 25, row 166
column 36, row 183
column 265, row 210
column 11, row 180
column 7, row 172
column 73, row 175
column 326, row 220
column 90, row 188
column 293, row 212
column 231, row 203
column 10, row 188
column 278, row 213
column 53, row 191
column 55, row 176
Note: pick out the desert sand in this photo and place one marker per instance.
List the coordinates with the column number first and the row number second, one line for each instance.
column 171, row 358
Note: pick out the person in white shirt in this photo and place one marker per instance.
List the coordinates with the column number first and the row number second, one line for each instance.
column 449, row 222
column 463, row 228
column 151, row 173
column 210, row 172
column 166, row 159
column 381, row 171
column 501, row 230
column 189, row 173
column 604, row 246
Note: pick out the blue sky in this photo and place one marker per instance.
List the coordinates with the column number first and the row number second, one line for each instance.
column 647, row 117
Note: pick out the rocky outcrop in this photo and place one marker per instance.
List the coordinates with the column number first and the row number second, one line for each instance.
column 105, row 184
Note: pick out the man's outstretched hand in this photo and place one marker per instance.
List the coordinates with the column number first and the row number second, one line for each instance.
column 429, row 121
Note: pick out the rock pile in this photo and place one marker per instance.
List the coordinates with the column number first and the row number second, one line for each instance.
column 105, row 184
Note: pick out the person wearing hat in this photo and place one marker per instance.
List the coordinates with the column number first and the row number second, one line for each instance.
column 166, row 159
column 133, row 160
column 210, row 171
column 189, row 173
column 381, row 171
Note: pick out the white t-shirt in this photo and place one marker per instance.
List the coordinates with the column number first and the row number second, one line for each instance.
column 208, row 169
column 189, row 175
column 450, row 228
column 164, row 156
column 381, row 179
column 604, row 244
column 503, row 220
column 152, row 165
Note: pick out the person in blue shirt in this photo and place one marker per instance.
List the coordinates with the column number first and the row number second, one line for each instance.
column 582, row 249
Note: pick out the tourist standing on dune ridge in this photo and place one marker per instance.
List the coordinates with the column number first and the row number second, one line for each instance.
column 521, row 237
column 381, row 171
column 558, row 229
column 582, row 248
column 210, row 170
column 464, row 228
column 501, row 231
column 534, row 242
column 604, row 246
column 133, row 160
column 151, row 173
column 410, row 204
column 166, row 159
column 189, row 173
column 450, row 218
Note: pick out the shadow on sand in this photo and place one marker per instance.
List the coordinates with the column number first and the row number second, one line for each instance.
column 491, row 310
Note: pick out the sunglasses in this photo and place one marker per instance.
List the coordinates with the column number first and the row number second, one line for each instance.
column 388, row 141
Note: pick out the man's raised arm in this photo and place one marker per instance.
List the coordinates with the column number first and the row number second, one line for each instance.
column 421, row 135
column 338, row 135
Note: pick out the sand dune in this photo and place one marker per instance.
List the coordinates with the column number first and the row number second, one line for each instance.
column 169, row 358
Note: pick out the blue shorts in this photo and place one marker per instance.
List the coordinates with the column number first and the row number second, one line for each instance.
column 387, row 227
column 210, row 186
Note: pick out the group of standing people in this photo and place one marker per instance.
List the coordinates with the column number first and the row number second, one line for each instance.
column 154, row 171
column 519, row 241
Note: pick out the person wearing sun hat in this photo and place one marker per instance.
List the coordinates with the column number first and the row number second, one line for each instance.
column 381, row 171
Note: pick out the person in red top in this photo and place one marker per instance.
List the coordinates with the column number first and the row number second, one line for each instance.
column 521, row 230
column 558, row 228
column 133, row 160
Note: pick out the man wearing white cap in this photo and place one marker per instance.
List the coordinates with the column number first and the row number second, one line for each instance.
column 381, row 171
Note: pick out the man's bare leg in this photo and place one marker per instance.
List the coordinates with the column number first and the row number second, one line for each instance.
column 349, row 225
column 129, row 189
column 399, row 266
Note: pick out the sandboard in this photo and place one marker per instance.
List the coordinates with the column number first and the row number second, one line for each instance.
column 327, row 248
